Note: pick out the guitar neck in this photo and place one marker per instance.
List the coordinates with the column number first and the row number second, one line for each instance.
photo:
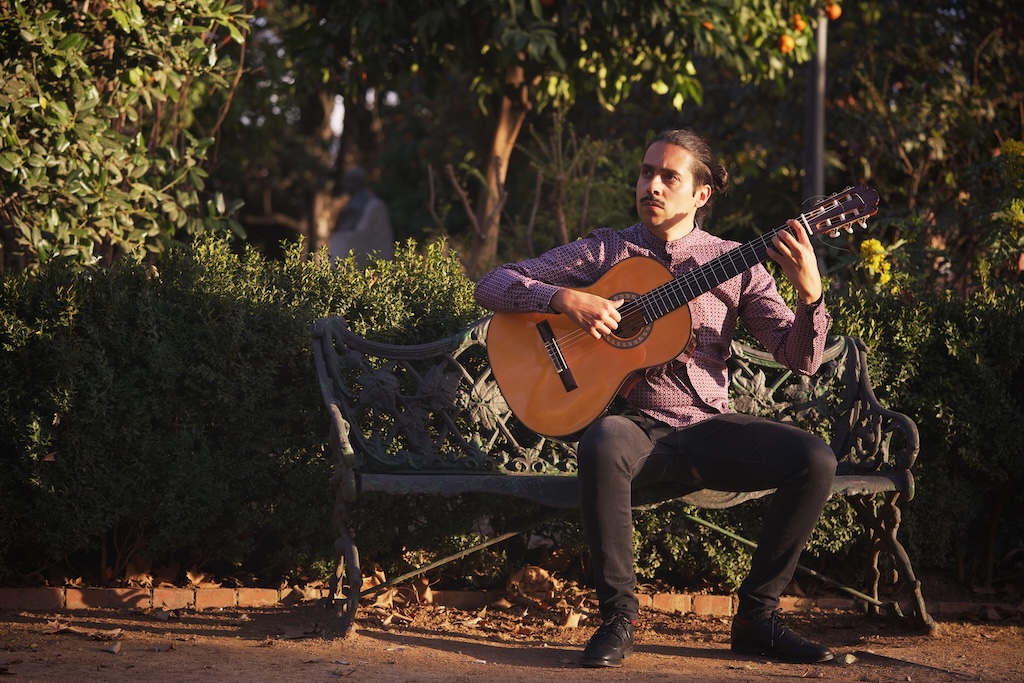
column 675, row 293
column 841, row 210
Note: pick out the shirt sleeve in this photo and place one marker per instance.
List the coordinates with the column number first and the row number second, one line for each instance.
column 527, row 286
column 795, row 339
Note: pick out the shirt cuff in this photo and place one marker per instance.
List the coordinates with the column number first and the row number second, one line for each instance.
column 541, row 294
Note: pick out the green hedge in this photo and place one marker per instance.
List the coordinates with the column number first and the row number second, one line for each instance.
column 172, row 414
column 956, row 366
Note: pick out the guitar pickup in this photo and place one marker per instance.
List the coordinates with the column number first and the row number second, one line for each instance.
column 555, row 353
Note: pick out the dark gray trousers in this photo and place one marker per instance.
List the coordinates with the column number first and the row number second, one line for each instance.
column 733, row 452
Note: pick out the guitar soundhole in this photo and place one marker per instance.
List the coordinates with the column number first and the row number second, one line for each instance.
column 633, row 327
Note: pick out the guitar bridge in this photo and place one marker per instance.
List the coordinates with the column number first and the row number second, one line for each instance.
column 555, row 353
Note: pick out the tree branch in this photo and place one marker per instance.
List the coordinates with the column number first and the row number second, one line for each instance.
column 533, row 213
column 276, row 218
column 450, row 171
column 433, row 198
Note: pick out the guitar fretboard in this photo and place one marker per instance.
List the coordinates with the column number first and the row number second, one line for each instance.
column 668, row 297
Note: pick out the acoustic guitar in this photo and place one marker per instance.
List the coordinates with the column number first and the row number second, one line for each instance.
column 557, row 379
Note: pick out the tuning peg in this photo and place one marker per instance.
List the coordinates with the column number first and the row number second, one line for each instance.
column 863, row 224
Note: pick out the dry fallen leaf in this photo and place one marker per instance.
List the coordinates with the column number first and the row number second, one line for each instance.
column 385, row 599
column 138, row 577
column 113, row 648
column 198, row 579
column 166, row 575
column 531, row 580
column 424, row 594
column 57, row 626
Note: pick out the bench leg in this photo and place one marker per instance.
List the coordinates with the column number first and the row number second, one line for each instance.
column 346, row 569
column 346, row 554
column 882, row 520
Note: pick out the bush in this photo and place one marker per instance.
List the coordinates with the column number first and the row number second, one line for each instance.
column 956, row 366
column 172, row 413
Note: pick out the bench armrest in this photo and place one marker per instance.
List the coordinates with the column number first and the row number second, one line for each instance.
column 837, row 403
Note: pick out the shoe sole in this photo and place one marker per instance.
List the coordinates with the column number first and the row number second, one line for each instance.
column 604, row 663
column 761, row 652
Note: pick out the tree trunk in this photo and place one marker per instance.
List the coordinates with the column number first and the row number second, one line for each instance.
column 327, row 196
column 515, row 104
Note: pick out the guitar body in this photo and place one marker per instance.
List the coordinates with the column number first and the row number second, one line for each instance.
column 538, row 394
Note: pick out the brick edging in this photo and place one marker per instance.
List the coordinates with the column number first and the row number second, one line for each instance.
column 53, row 598
column 47, row 599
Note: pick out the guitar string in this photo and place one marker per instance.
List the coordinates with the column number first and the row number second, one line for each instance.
column 659, row 295
column 629, row 310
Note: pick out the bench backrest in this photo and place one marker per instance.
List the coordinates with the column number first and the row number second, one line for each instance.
column 436, row 407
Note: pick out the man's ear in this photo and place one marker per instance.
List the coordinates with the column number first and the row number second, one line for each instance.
column 703, row 195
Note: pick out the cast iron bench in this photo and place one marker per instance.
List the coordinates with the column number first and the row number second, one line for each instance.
column 429, row 419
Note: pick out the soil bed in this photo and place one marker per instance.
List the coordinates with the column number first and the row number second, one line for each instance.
column 500, row 643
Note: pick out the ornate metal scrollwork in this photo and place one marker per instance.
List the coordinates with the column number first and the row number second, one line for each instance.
column 434, row 407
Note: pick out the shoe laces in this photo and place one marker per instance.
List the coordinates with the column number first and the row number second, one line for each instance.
column 779, row 627
column 617, row 624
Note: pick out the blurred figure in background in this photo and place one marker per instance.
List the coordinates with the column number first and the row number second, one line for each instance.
column 364, row 225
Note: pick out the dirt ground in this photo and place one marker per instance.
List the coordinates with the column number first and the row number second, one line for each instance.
column 503, row 642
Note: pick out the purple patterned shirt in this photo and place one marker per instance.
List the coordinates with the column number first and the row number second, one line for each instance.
column 676, row 394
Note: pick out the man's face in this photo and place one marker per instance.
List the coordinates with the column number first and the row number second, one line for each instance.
column 665, row 196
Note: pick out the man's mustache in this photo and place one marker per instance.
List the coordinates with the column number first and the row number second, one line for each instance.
column 651, row 200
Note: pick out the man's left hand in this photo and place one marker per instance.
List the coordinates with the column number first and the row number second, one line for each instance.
column 793, row 251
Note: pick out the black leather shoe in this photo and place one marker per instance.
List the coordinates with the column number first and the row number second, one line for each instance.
column 771, row 637
column 610, row 644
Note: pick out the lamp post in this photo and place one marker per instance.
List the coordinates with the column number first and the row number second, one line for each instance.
column 814, row 125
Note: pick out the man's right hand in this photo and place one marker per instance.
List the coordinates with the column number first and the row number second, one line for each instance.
column 594, row 314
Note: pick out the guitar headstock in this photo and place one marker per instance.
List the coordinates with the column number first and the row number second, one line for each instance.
column 841, row 210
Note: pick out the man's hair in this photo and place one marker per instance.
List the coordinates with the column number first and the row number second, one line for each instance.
column 705, row 169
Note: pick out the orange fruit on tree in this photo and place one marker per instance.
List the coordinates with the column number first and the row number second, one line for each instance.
column 798, row 23
column 786, row 43
column 833, row 11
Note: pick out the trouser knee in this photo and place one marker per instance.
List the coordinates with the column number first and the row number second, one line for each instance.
column 609, row 448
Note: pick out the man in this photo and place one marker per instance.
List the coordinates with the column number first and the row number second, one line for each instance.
column 677, row 425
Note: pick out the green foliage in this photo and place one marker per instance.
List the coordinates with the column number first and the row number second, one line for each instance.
column 956, row 367
column 580, row 184
column 931, row 121
column 409, row 298
column 174, row 413
column 99, row 152
column 568, row 47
